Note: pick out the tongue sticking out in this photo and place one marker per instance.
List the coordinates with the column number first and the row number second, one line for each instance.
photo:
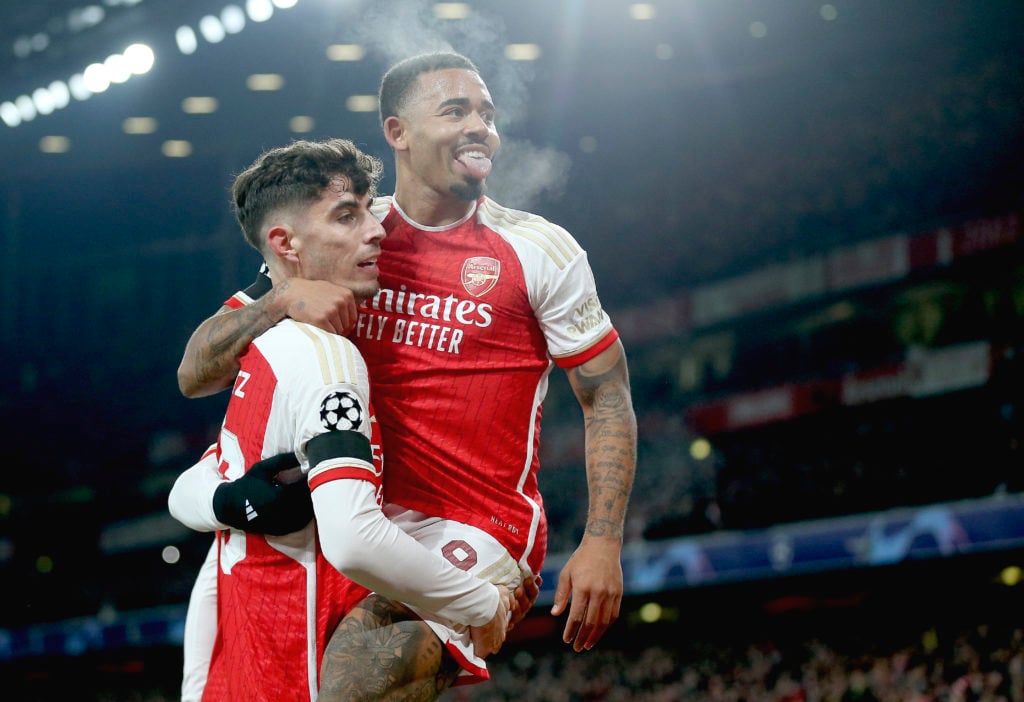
column 478, row 165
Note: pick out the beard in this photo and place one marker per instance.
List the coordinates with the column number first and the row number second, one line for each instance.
column 470, row 190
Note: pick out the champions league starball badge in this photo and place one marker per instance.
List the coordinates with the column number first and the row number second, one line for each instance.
column 341, row 411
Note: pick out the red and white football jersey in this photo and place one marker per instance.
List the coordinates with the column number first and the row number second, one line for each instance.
column 460, row 341
column 279, row 600
column 469, row 322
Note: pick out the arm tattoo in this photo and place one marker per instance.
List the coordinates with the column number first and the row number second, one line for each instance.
column 381, row 651
column 228, row 335
column 610, row 425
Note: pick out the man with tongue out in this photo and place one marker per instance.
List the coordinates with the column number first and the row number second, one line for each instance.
column 478, row 303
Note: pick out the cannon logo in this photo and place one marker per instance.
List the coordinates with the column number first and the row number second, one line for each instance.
column 480, row 274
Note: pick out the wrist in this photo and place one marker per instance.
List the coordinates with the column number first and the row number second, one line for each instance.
column 605, row 531
column 276, row 303
column 219, row 502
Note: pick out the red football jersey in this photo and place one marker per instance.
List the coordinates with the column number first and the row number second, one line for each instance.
column 470, row 320
column 278, row 599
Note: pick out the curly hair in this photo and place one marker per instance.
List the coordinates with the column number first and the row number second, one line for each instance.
column 298, row 174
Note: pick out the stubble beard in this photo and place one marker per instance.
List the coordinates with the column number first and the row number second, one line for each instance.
column 469, row 191
column 365, row 291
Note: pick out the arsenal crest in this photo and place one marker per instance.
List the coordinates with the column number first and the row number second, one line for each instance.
column 480, row 274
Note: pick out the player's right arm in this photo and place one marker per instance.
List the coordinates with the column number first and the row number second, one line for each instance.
column 210, row 362
column 364, row 545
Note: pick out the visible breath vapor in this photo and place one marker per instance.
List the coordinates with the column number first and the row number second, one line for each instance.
column 523, row 172
column 396, row 30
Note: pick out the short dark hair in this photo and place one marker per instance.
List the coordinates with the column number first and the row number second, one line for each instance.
column 298, row 174
column 394, row 87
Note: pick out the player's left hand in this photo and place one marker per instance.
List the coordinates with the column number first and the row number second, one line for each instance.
column 488, row 639
column 592, row 578
column 523, row 598
column 260, row 503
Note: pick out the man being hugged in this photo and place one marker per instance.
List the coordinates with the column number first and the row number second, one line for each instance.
column 304, row 391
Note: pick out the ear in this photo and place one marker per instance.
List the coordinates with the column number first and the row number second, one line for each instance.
column 279, row 240
column 395, row 133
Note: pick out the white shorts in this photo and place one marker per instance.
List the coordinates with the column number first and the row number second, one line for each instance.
column 469, row 549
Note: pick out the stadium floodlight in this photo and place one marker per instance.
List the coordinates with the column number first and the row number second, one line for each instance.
column 452, row 10
column 642, row 11
column 259, row 10
column 40, row 42
column 60, row 94
column 264, row 82
column 361, row 103
column 140, row 58
column 96, row 78
column 117, row 67
column 54, row 144
column 176, row 148
column 26, row 108
column 85, row 17
column 79, row 90
column 43, row 101
column 522, row 52
column 139, row 125
column 285, row 4
column 211, row 29
column 10, row 114
column 301, row 124
column 345, row 52
column 233, row 19
column 22, row 47
column 186, row 40
column 199, row 105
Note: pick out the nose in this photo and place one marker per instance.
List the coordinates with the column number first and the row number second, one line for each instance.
column 476, row 124
column 374, row 230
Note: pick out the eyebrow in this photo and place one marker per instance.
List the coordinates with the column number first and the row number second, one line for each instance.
column 347, row 199
column 464, row 102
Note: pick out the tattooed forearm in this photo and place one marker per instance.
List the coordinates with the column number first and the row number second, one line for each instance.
column 211, row 357
column 602, row 387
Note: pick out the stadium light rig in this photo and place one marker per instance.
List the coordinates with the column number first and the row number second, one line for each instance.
column 135, row 60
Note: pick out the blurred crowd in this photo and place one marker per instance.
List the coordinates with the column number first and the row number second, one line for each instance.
column 940, row 663
column 982, row 664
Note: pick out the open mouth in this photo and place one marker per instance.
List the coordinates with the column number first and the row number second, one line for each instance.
column 475, row 162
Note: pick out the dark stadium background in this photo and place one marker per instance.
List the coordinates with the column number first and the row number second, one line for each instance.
column 804, row 218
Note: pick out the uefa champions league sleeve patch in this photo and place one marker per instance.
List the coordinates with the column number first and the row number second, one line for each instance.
column 341, row 411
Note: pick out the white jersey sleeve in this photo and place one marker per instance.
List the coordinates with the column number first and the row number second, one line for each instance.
column 362, row 543
column 191, row 497
column 323, row 386
column 558, row 279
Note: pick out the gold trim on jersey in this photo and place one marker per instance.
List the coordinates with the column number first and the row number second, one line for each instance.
column 555, row 241
column 504, row 570
column 381, row 206
column 335, row 355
